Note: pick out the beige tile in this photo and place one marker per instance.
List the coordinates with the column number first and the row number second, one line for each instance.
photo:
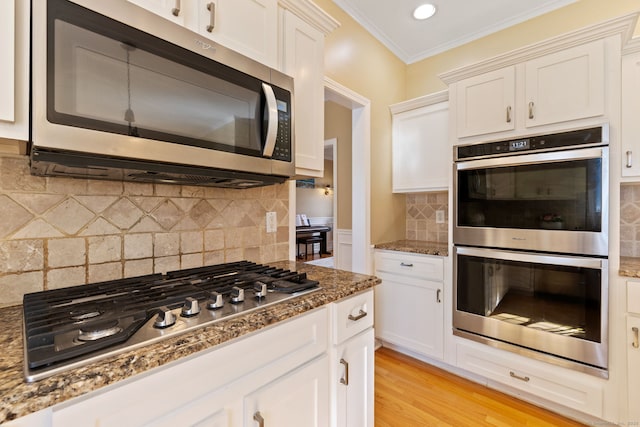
column 96, row 186
column 191, row 260
column 185, row 203
column 213, row 240
column 14, row 286
column 167, row 190
column 69, row 216
column 21, row 255
column 138, row 189
column 137, row 246
column 37, row 229
column 13, row 216
column 97, row 204
column 164, row 264
column 105, row 272
column 146, row 225
column 630, row 214
column 167, row 214
column 104, row 249
column 214, row 257
column 15, row 175
column 66, row 252
column 123, row 214
column 37, row 203
column 65, row 277
column 100, row 227
column 147, row 204
column 233, row 255
column 202, row 213
column 166, row 244
column 191, row 242
column 138, row 267
column 59, row 185
column 253, row 254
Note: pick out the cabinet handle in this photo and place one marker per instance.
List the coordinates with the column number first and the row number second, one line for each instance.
column 635, row 343
column 405, row 264
column 438, row 296
column 518, row 377
column 509, row 114
column 629, row 159
column 345, row 380
column 360, row 315
column 258, row 417
column 211, row 7
column 176, row 10
column 531, row 105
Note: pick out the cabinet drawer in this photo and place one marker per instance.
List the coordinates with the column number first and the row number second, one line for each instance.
column 352, row 316
column 571, row 389
column 633, row 297
column 419, row 266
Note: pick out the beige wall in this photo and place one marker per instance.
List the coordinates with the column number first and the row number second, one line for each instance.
column 358, row 61
column 337, row 124
column 422, row 77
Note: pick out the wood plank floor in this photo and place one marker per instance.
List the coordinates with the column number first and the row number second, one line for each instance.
column 409, row 392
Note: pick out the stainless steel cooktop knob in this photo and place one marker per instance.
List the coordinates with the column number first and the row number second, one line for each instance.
column 165, row 318
column 260, row 289
column 190, row 307
column 215, row 301
column 237, row 295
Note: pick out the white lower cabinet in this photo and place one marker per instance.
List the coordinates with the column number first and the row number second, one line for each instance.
column 633, row 369
column 352, row 362
column 555, row 385
column 409, row 302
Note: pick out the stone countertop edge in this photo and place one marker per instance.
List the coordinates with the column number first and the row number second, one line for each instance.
column 416, row 247
column 19, row 398
column 629, row 267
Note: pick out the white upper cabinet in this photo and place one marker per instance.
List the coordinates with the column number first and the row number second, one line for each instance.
column 565, row 86
column 14, row 69
column 560, row 87
column 630, row 125
column 486, row 103
column 420, row 144
column 246, row 26
column 249, row 27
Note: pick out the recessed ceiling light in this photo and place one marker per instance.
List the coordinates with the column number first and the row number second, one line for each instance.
column 424, row 11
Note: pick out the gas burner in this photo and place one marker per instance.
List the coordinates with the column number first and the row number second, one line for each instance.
column 96, row 331
column 74, row 326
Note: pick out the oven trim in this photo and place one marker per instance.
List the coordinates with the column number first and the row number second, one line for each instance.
column 570, row 242
column 581, row 355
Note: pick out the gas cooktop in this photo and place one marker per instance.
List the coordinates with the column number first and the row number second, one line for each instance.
column 71, row 327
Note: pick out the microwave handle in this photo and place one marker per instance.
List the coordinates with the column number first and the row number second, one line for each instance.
column 272, row 122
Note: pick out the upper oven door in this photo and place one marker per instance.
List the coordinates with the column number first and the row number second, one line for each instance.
column 553, row 202
column 107, row 88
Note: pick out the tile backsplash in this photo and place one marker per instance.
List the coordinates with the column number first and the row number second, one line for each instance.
column 58, row 232
column 421, row 216
column 630, row 220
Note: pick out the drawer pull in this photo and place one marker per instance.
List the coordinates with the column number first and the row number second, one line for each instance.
column 509, row 114
column 629, row 163
column 176, row 10
column 345, row 380
column 518, row 377
column 404, row 264
column 211, row 7
column 258, row 417
column 531, row 106
column 360, row 315
column 438, row 299
column 635, row 343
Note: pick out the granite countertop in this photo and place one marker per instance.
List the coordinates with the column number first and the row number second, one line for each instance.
column 416, row 247
column 19, row 398
column 629, row 267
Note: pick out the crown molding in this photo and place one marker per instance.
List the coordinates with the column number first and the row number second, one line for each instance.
column 422, row 101
column 312, row 14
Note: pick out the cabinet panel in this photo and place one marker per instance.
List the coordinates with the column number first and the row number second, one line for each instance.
column 420, row 149
column 352, row 316
column 300, row 398
column 486, row 103
column 406, row 264
column 303, row 58
column 630, row 125
column 354, row 381
column 565, row 86
column 633, row 367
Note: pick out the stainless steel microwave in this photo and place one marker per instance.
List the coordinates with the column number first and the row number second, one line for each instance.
column 120, row 93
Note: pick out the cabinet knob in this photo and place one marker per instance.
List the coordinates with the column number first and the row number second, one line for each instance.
column 531, row 105
column 176, row 10
column 629, row 163
column 211, row 7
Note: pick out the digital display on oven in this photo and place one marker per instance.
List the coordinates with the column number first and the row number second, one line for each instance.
column 521, row 144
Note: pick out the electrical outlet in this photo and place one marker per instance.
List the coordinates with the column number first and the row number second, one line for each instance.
column 272, row 222
column 440, row 216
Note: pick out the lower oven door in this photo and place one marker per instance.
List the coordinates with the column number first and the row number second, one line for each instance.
column 552, row 306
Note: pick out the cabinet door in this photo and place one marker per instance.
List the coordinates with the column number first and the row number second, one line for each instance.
column 566, row 85
column 354, row 381
column 173, row 10
column 300, row 398
column 630, row 126
column 421, row 149
column 303, row 58
column 485, row 103
column 409, row 313
column 246, row 26
column 633, row 367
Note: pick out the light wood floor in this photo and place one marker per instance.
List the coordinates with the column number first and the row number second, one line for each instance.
column 409, row 392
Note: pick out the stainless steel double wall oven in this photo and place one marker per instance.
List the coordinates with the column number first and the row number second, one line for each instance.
column 530, row 237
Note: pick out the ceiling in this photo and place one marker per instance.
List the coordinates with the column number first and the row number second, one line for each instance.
column 455, row 23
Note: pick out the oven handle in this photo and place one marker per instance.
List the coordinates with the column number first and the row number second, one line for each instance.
column 272, row 121
column 568, row 260
column 532, row 159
